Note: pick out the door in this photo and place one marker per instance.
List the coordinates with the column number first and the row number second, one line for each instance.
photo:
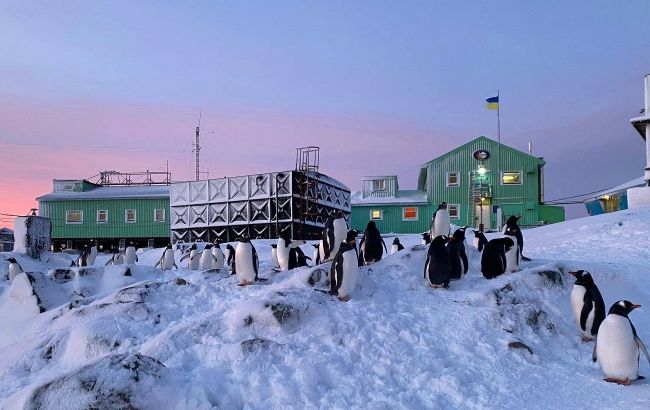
column 483, row 216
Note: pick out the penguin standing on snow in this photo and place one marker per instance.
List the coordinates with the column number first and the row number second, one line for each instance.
column 166, row 261
column 316, row 257
column 587, row 305
column 92, row 255
column 194, row 257
column 457, row 255
column 290, row 256
column 217, row 262
column 117, row 258
column 274, row 256
column 130, row 257
column 345, row 268
column 440, row 223
column 14, row 269
column 511, row 228
column 479, row 240
column 617, row 345
column 246, row 261
column 437, row 268
column 493, row 260
column 396, row 247
column 82, row 260
column 207, row 258
column 230, row 259
column 513, row 254
column 334, row 234
column 426, row 238
column 372, row 245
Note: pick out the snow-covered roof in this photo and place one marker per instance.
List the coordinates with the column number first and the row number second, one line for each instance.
column 403, row 196
column 639, row 123
column 110, row 192
column 629, row 184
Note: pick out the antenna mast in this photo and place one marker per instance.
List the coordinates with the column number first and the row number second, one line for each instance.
column 197, row 148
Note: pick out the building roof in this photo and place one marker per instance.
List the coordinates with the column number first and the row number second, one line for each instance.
column 404, row 196
column 639, row 123
column 503, row 146
column 110, row 192
column 640, row 181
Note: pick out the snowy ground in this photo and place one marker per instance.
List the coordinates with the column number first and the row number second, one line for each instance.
column 187, row 339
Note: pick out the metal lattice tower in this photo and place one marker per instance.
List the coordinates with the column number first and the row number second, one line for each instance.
column 307, row 168
column 197, row 148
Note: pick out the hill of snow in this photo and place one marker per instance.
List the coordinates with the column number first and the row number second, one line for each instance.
column 188, row 339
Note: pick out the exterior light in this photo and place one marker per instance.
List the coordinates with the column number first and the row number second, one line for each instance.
column 481, row 170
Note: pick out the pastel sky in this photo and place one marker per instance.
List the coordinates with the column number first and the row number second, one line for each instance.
column 380, row 86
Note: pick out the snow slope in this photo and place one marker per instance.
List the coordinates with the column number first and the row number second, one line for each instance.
column 188, row 339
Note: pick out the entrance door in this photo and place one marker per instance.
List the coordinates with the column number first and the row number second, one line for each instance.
column 483, row 216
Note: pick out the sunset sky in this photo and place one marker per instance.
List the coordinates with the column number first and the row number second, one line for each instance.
column 380, row 86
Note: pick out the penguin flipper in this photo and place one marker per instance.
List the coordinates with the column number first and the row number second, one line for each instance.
column 174, row 265
column 157, row 263
column 587, row 306
column 187, row 255
column 256, row 261
column 426, row 266
column 136, row 258
column 463, row 256
column 593, row 354
column 642, row 347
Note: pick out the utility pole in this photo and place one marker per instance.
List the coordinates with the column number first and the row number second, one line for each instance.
column 197, row 148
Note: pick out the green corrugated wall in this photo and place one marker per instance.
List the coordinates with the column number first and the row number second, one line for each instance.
column 116, row 227
column 392, row 218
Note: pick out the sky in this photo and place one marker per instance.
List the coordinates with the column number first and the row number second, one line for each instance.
column 380, row 86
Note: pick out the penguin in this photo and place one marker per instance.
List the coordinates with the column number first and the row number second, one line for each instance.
column 289, row 254
column 230, row 259
column 617, row 345
column 479, row 240
column 370, row 247
column 14, row 269
column 117, row 258
column 440, row 223
column 457, row 255
column 316, row 257
column 426, row 238
column 218, row 261
column 334, row 234
column 194, row 256
column 82, row 260
column 345, row 268
column 493, row 260
column 207, row 258
column 92, row 255
column 130, row 256
column 513, row 255
column 437, row 268
column 246, row 261
column 396, row 247
column 587, row 305
column 512, row 228
column 274, row 256
column 167, row 261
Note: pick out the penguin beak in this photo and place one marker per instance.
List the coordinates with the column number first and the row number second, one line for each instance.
column 573, row 273
column 636, row 306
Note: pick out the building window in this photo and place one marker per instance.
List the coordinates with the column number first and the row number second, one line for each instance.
column 453, row 179
column 102, row 216
column 74, row 217
column 410, row 213
column 129, row 216
column 378, row 185
column 454, row 211
column 511, row 177
column 376, row 214
column 159, row 215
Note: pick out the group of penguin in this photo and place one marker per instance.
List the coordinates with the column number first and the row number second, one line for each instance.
column 88, row 255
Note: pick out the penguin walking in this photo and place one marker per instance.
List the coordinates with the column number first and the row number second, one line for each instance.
column 587, row 305
column 511, row 228
column 207, row 258
column 117, row 258
column 246, row 261
column 14, row 269
column 370, row 247
column 130, row 257
column 167, row 261
column 316, row 257
column 218, row 261
column 440, row 222
column 513, row 254
column 274, row 256
column 426, row 238
column 437, row 268
column 493, row 260
column 289, row 254
column 92, row 254
column 396, row 247
column 479, row 240
column 230, row 259
column 345, row 268
column 336, row 229
column 457, row 255
column 617, row 345
column 194, row 257
column 82, row 260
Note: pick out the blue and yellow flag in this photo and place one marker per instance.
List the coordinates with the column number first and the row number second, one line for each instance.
column 492, row 103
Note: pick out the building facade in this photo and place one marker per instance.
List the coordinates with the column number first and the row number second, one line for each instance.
column 6, row 240
column 480, row 181
column 612, row 200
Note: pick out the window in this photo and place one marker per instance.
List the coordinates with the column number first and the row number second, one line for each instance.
column 379, row 185
column 159, row 215
column 102, row 216
column 454, row 211
column 74, row 217
column 511, row 178
column 376, row 214
column 453, row 179
column 410, row 213
column 129, row 216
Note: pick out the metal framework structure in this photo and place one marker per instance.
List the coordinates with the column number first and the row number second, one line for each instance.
column 260, row 205
column 116, row 178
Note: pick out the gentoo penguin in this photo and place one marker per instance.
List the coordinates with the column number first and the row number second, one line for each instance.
column 117, row 258
column 92, row 255
column 289, row 254
column 513, row 254
column 511, row 228
column 617, row 345
column 493, row 260
column 274, row 256
column 334, row 234
column 316, row 253
column 345, row 268
column 82, row 260
column 194, row 257
column 218, row 261
column 437, row 268
column 370, row 247
column 440, row 223
column 396, row 247
column 479, row 240
column 246, row 261
column 14, row 269
column 166, row 261
column 457, row 255
column 426, row 238
column 130, row 256
column 207, row 258
column 587, row 304
column 230, row 259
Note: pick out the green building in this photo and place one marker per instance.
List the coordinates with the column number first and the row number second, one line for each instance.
column 112, row 215
column 483, row 183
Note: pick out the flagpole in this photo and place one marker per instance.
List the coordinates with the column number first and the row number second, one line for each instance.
column 498, row 173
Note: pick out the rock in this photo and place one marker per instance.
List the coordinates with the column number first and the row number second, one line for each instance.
column 283, row 313
column 551, row 278
column 316, row 275
column 520, row 345
column 181, row 282
column 538, row 318
column 256, row 345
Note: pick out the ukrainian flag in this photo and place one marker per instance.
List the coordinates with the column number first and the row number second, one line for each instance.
column 492, row 103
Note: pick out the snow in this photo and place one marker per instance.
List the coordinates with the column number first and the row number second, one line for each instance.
column 404, row 196
column 112, row 192
column 192, row 339
column 637, row 197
